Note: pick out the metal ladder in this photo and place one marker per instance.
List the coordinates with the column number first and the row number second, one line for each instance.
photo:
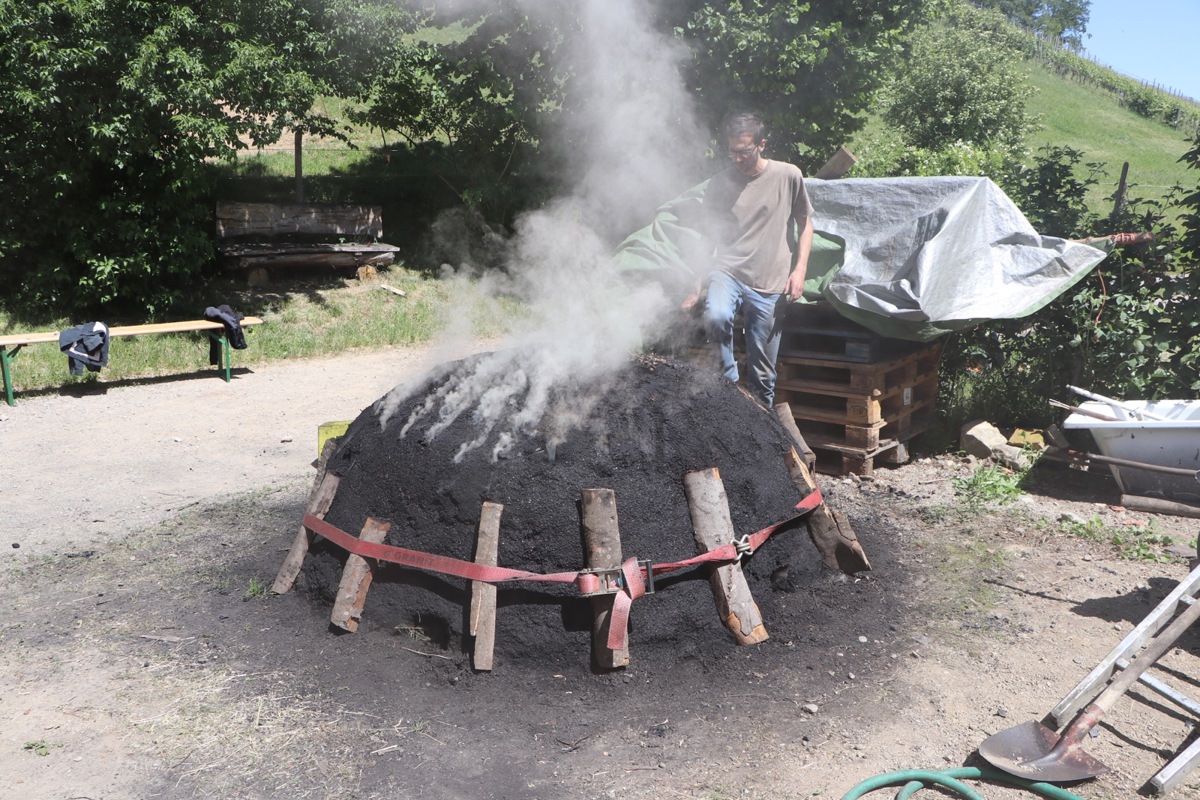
column 1119, row 658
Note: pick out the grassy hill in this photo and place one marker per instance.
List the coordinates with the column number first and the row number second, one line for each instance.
column 1089, row 119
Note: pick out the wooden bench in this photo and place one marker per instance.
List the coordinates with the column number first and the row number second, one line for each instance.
column 298, row 234
column 11, row 344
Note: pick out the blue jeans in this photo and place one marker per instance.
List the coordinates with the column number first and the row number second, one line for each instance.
column 762, row 316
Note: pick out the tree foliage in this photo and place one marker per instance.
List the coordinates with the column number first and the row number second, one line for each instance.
column 962, row 84
column 811, row 69
column 477, row 107
column 1065, row 20
column 1189, row 243
column 111, row 110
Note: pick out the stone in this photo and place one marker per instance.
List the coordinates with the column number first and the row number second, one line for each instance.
column 982, row 439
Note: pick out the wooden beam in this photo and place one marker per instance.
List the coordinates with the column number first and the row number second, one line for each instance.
column 1157, row 505
column 837, row 165
column 711, row 528
column 602, row 541
column 319, row 500
column 483, row 595
column 356, row 579
column 783, row 412
column 274, row 219
column 834, row 538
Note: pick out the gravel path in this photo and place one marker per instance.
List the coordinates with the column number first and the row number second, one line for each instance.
column 91, row 463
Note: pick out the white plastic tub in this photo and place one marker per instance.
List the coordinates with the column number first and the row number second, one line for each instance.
column 1171, row 442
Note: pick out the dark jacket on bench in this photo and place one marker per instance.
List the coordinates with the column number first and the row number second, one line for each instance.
column 233, row 330
column 86, row 346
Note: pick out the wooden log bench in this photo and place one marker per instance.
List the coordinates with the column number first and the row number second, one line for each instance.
column 260, row 237
column 11, row 344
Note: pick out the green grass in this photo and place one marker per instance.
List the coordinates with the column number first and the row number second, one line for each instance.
column 41, row 747
column 963, row 567
column 1133, row 542
column 256, row 589
column 453, row 33
column 303, row 318
column 1088, row 119
column 322, row 156
column 990, row 484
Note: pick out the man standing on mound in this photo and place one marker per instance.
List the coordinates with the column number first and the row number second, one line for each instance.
column 758, row 216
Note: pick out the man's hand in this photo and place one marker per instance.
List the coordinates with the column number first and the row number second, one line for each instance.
column 795, row 285
column 795, row 282
column 690, row 301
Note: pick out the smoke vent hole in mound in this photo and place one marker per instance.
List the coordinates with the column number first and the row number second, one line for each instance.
column 644, row 428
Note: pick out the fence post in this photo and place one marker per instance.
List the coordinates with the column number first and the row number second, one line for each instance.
column 1121, row 187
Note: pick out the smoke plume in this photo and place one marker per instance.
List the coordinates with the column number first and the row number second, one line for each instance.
column 641, row 136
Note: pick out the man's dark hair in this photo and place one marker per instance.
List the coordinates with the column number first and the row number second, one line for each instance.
column 744, row 122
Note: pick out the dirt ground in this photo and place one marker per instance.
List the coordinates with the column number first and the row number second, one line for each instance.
column 142, row 656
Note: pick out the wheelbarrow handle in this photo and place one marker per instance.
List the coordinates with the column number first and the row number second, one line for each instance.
column 1078, row 455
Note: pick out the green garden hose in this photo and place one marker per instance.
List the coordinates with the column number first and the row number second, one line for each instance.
column 914, row 780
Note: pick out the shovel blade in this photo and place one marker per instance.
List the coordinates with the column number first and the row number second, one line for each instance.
column 1028, row 751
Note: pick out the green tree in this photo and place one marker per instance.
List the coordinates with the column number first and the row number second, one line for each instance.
column 1053, row 193
column 476, row 107
column 811, row 69
column 1065, row 20
column 111, row 111
column 963, row 84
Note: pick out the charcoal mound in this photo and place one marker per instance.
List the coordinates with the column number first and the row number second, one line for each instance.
column 643, row 430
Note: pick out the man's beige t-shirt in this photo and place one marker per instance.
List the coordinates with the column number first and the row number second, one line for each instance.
column 751, row 221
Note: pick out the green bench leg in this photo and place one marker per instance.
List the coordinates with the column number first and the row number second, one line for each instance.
column 224, row 364
column 6, row 367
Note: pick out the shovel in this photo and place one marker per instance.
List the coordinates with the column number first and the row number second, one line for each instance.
column 1140, row 414
column 1033, row 751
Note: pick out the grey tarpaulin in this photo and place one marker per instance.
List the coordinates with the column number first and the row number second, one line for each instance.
column 910, row 258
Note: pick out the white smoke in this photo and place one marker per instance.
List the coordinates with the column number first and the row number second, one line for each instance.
column 640, row 120
column 583, row 320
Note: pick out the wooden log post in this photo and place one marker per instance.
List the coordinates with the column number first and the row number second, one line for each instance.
column 1119, row 196
column 482, row 623
column 602, row 540
column 319, row 500
column 356, row 579
column 711, row 528
column 783, row 412
column 834, row 538
column 1158, row 505
column 298, row 159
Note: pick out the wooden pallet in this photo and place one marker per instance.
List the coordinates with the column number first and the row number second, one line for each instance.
column 828, row 376
column 816, row 330
column 857, row 415
column 857, row 397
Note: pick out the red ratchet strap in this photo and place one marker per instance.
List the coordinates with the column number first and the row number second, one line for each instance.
column 635, row 575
